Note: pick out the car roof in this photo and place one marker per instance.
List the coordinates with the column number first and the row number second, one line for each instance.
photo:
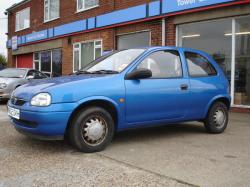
column 170, row 48
column 27, row 69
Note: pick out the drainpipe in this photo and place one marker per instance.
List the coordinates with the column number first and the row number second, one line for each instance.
column 163, row 34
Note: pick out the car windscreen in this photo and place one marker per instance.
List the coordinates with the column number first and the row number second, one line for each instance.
column 13, row 73
column 114, row 62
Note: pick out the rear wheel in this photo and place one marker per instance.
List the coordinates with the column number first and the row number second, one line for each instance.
column 91, row 130
column 217, row 118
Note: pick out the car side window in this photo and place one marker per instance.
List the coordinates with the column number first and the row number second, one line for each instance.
column 36, row 74
column 199, row 66
column 163, row 64
column 31, row 73
column 39, row 75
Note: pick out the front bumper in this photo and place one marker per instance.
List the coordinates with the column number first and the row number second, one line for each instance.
column 47, row 123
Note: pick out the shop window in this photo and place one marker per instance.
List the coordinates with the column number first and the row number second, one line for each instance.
column 199, row 66
column 57, row 62
column 162, row 68
column 23, row 19
column 242, row 61
column 208, row 37
column 229, row 45
column 86, row 52
column 49, row 62
column 51, row 9
column 134, row 40
column 86, row 4
column 46, row 61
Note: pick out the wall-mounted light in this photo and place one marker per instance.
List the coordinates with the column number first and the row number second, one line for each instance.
column 238, row 33
column 191, row 36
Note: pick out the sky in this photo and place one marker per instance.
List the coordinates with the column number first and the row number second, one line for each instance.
column 4, row 4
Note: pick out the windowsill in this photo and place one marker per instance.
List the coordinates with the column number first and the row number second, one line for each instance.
column 83, row 10
column 22, row 29
column 51, row 20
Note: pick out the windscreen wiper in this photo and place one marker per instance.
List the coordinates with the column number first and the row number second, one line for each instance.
column 80, row 72
column 105, row 72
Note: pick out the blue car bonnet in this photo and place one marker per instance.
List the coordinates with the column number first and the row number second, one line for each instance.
column 34, row 87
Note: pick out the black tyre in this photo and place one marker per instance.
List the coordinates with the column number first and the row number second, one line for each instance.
column 217, row 118
column 91, row 130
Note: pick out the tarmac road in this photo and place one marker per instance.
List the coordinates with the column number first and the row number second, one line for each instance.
column 175, row 155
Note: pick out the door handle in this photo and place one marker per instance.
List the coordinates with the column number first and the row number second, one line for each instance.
column 184, row 87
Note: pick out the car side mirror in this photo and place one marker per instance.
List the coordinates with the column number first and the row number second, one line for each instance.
column 139, row 74
column 30, row 77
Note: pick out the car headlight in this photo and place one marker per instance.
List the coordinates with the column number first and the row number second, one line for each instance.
column 42, row 99
column 3, row 85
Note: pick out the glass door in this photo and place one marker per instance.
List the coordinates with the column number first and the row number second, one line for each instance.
column 49, row 62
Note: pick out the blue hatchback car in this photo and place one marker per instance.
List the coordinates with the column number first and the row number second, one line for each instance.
column 122, row 90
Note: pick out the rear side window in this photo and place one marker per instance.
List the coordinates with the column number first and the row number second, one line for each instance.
column 199, row 66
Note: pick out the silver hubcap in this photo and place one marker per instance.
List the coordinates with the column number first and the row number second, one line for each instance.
column 219, row 118
column 94, row 131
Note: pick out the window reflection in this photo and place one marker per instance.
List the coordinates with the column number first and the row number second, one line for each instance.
column 210, row 37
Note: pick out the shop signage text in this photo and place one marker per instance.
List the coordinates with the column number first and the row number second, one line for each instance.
column 170, row 6
column 37, row 36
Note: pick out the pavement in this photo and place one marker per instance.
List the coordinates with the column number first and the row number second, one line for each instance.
column 174, row 155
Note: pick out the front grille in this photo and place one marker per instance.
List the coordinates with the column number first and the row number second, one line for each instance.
column 17, row 101
column 25, row 123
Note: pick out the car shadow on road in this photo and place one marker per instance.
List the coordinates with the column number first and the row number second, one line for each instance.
column 154, row 133
column 121, row 138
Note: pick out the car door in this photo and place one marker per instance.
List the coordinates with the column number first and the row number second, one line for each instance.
column 164, row 96
column 204, row 84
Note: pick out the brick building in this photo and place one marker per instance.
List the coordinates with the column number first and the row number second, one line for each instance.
column 61, row 36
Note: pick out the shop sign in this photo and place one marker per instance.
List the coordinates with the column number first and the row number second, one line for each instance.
column 14, row 43
column 170, row 6
column 37, row 36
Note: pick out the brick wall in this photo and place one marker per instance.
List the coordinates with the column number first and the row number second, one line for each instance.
column 67, row 14
column 154, row 27
column 121, row 4
column 170, row 32
column 108, row 39
column 106, row 36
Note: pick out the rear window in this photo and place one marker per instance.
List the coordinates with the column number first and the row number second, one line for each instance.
column 199, row 66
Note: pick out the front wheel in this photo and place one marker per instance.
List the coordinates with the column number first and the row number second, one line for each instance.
column 217, row 118
column 91, row 130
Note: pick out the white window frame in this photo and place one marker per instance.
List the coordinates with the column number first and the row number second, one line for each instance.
column 84, row 9
column 40, row 62
column 37, row 60
column 80, row 49
column 49, row 14
column 17, row 21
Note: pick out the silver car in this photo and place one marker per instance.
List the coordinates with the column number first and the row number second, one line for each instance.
column 11, row 78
